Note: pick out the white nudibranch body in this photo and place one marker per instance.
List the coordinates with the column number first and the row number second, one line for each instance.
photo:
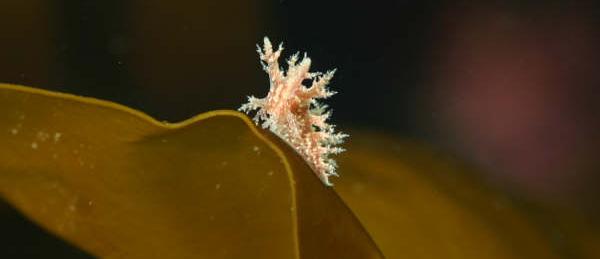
column 292, row 112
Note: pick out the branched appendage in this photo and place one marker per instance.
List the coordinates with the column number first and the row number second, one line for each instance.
column 291, row 110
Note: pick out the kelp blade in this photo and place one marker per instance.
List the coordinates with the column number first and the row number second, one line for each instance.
column 119, row 184
column 420, row 203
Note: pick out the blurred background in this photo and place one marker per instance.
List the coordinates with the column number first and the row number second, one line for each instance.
column 511, row 87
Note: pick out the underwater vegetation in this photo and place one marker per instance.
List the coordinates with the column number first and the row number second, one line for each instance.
column 117, row 183
column 121, row 185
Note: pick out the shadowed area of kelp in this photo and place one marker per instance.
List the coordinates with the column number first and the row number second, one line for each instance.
column 21, row 238
column 119, row 184
column 417, row 202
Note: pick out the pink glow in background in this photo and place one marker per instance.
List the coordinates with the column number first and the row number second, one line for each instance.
column 516, row 90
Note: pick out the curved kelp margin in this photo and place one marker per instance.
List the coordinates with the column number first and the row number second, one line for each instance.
column 120, row 184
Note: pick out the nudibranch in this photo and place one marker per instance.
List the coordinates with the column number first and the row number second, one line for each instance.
column 292, row 112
